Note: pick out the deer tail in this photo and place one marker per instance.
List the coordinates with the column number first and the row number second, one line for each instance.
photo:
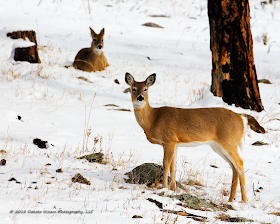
column 254, row 124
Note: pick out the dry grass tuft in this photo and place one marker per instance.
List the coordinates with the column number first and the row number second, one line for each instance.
column 49, row 54
column 264, row 38
column 192, row 182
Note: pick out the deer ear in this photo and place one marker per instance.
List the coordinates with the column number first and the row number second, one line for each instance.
column 93, row 34
column 129, row 79
column 102, row 32
column 151, row 79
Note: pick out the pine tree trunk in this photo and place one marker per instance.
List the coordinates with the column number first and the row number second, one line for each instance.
column 234, row 75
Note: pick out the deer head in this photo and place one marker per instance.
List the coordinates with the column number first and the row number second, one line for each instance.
column 97, row 41
column 139, row 90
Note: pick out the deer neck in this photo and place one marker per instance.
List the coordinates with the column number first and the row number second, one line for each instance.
column 97, row 51
column 143, row 114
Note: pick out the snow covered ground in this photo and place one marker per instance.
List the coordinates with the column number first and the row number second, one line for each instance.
column 70, row 113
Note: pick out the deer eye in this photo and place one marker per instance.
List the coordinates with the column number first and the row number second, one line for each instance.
column 94, row 39
column 134, row 89
column 145, row 89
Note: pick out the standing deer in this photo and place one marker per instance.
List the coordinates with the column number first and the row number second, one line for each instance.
column 92, row 59
column 171, row 127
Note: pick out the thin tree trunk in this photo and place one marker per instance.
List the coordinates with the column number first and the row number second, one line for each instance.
column 234, row 75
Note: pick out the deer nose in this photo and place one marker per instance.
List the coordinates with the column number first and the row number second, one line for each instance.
column 99, row 46
column 140, row 98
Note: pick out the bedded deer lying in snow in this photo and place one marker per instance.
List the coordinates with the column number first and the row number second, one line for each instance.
column 92, row 59
column 171, row 127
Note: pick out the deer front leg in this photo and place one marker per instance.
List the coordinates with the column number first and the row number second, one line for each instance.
column 168, row 162
column 173, row 171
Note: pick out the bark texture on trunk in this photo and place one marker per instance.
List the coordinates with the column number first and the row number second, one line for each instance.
column 234, row 75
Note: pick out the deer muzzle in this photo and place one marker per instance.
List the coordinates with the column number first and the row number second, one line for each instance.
column 140, row 98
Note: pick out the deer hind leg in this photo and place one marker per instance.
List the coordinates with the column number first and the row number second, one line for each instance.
column 233, row 184
column 169, row 162
column 240, row 170
column 236, row 164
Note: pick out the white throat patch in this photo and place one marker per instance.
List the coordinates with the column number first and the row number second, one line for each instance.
column 97, row 51
column 138, row 105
